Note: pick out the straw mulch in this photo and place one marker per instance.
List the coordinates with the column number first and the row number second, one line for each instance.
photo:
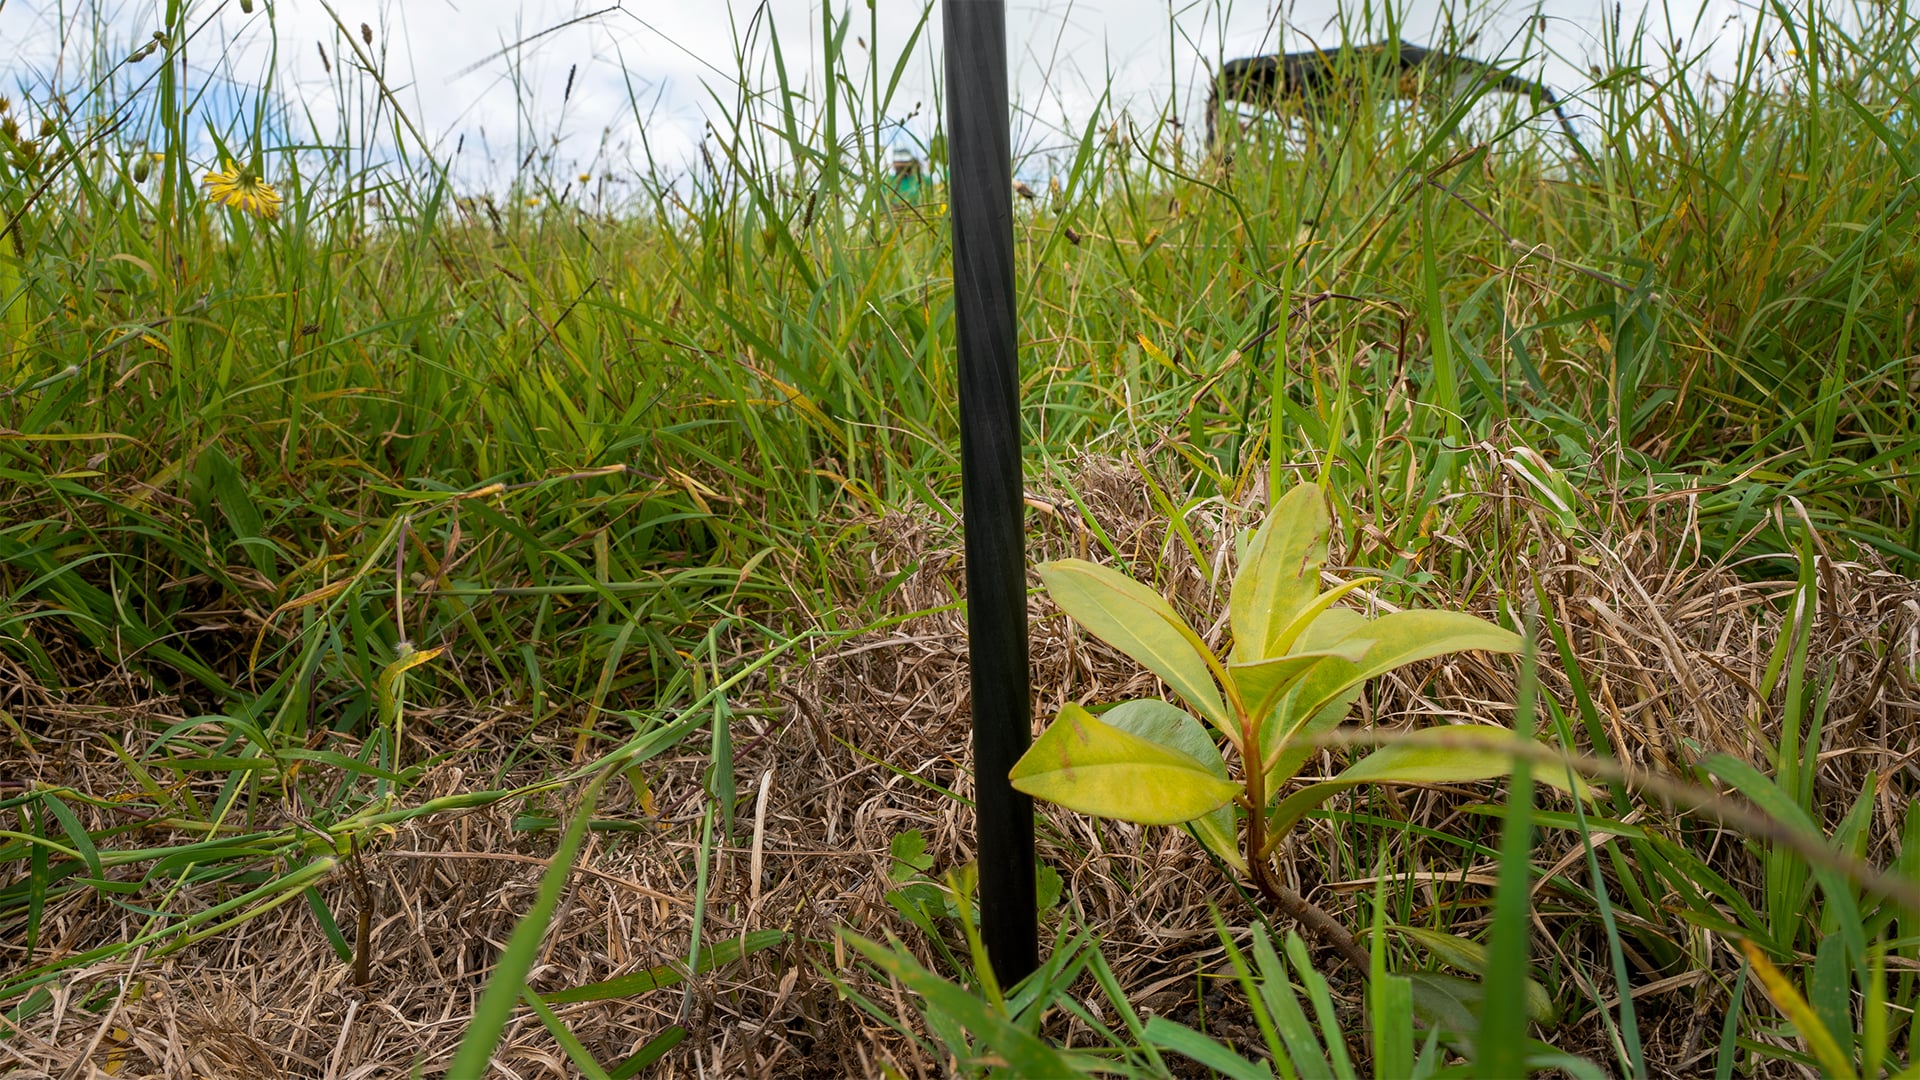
column 845, row 753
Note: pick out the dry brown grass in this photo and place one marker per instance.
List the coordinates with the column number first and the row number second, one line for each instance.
column 1671, row 648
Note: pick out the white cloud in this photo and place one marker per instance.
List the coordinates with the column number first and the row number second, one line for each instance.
column 493, row 72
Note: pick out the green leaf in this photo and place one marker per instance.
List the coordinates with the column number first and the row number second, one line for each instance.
column 582, row 1059
column 1168, row 725
column 910, row 858
column 1047, row 886
column 1874, row 1017
column 1280, row 574
column 1323, row 1009
column 1768, row 797
column 495, row 1008
column 1261, row 683
column 1830, row 993
column 240, row 507
column 1286, row 733
column 1329, row 628
column 1172, row 727
column 1289, row 1019
column 1219, row 831
column 1851, row 834
column 324, row 916
column 1406, row 636
column 1095, row 768
column 70, row 824
column 1447, row 1001
column 1414, row 763
column 1780, row 989
column 1470, row 956
column 1024, row 1053
column 1321, row 700
column 1139, row 622
column 1450, row 949
column 1181, row 1039
column 1389, row 999
column 1503, row 1032
column 655, row 1049
column 634, row 983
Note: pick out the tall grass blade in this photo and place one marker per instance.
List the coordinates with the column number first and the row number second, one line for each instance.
column 505, row 986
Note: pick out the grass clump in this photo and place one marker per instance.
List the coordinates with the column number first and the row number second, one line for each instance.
column 351, row 556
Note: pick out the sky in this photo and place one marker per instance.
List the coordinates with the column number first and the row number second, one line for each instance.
column 602, row 85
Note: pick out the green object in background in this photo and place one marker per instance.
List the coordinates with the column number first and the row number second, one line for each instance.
column 909, row 180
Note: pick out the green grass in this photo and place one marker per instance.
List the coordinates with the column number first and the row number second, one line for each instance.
column 323, row 482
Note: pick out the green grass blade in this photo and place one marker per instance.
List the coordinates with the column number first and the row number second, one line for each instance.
column 1501, row 1044
column 504, row 988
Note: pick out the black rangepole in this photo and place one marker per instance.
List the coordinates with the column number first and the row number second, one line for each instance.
column 980, row 192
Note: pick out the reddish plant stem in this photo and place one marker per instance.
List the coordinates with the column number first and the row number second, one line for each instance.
column 1310, row 915
column 1297, row 907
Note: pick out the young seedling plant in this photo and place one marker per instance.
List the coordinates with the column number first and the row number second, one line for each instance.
column 1296, row 667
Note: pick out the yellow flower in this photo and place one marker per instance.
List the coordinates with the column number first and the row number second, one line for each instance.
column 243, row 189
column 584, row 177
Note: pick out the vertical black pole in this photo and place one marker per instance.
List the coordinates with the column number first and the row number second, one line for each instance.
column 980, row 192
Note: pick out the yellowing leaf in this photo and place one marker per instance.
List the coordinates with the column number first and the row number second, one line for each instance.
column 1159, row 355
column 1136, row 620
column 1787, row 999
column 1403, row 637
column 1308, row 617
column 316, row 596
column 1171, row 727
column 1095, row 768
column 1167, row 725
column 408, row 662
column 1280, row 574
column 1423, row 763
column 391, row 676
column 1487, row 756
column 1262, row 683
column 1322, row 698
column 1219, row 830
column 1406, row 636
column 1330, row 626
column 1286, row 733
